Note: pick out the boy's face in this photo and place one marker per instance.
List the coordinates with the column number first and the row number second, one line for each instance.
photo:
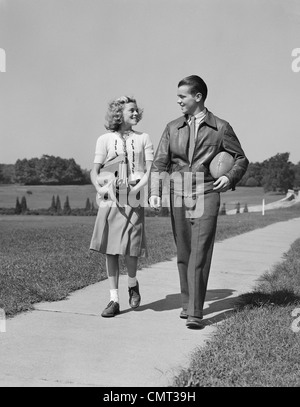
column 189, row 104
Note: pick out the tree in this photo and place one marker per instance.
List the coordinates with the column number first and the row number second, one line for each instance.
column 251, row 182
column 18, row 208
column 86, row 176
column 53, row 208
column 67, row 209
column 296, row 169
column 223, row 209
column 49, row 170
column 58, row 205
column 278, row 174
column 26, row 172
column 253, row 173
column 88, row 205
column 24, row 207
column 72, row 174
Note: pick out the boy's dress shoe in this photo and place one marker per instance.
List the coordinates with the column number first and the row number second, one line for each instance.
column 183, row 314
column 194, row 323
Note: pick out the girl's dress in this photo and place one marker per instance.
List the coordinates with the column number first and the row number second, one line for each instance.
column 120, row 229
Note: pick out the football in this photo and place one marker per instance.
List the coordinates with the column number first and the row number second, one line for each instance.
column 220, row 164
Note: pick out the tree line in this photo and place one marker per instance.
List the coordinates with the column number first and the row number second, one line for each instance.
column 274, row 174
column 47, row 170
column 56, row 208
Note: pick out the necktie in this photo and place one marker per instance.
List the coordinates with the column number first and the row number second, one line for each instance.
column 192, row 139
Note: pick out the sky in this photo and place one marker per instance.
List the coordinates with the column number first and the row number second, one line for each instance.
column 66, row 59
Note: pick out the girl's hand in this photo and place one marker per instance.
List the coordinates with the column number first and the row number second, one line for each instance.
column 134, row 188
column 109, row 188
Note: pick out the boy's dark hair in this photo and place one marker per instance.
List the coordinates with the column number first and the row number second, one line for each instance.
column 196, row 84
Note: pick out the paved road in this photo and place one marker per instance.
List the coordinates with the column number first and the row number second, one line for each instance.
column 67, row 343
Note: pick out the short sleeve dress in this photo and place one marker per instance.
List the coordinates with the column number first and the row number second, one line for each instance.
column 120, row 229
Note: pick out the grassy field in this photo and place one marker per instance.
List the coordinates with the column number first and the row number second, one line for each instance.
column 46, row 258
column 259, row 346
column 250, row 196
column 39, row 197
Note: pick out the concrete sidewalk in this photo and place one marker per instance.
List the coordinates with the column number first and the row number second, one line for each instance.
column 67, row 343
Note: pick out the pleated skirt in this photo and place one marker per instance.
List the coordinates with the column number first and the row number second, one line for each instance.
column 120, row 230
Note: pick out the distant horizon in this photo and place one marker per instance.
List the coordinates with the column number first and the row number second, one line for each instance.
column 83, row 168
column 65, row 60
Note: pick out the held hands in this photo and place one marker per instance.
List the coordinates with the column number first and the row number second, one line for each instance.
column 222, row 184
column 107, row 188
column 155, row 203
column 114, row 185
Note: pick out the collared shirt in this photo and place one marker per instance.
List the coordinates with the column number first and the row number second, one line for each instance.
column 199, row 118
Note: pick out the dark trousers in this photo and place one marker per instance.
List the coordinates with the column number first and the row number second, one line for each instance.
column 194, row 238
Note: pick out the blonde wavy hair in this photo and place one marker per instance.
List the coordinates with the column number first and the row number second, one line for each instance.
column 114, row 115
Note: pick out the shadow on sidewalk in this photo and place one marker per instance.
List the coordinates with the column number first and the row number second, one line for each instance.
column 172, row 301
column 220, row 304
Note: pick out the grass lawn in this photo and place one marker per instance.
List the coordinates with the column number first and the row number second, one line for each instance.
column 46, row 258
column 250, row 196
column 40, row 196
column 259, row 346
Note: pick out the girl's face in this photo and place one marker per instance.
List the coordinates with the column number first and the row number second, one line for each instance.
column 130, row 115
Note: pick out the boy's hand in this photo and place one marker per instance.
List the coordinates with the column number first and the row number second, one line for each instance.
column 155, row 202
column 222, row 184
